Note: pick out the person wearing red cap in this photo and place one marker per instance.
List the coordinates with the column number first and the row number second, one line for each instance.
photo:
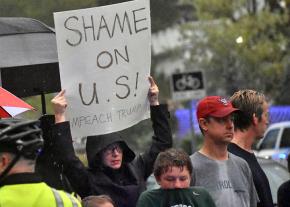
column 227, row 177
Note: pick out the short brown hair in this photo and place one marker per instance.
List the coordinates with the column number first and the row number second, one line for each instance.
column 171, row 158
column 249, row 102
column 96, row 201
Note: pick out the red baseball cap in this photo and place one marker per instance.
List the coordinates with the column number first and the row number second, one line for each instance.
column 215, row 106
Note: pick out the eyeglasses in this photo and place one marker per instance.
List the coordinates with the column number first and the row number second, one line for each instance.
column 112, row 148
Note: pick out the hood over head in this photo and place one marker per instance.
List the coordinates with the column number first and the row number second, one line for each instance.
column 96, row 144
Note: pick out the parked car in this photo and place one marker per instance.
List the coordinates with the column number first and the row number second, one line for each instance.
column 275, row 172
column 276, row 143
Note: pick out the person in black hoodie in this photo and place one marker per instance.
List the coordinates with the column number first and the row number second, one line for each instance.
column 113, row 169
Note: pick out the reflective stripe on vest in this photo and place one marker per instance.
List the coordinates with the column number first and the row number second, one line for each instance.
column 59, row 202
column 74, row 203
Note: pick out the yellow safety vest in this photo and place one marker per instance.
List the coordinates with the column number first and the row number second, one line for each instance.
column 35, row 195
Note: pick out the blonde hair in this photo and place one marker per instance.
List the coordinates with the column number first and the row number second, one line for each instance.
column 249, row 102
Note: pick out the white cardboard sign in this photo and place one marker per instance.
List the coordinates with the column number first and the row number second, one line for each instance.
column 104, row 59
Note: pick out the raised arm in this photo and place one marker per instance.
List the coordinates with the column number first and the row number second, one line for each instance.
column 162, row 138
column 62, row 145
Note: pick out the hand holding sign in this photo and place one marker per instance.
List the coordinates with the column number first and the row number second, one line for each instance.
column 59, row 105
column 153, row 92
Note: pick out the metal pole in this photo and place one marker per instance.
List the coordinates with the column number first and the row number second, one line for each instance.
column 193, row 141
column 43, row 103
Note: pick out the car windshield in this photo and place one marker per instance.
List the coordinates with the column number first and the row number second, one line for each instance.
column 285, row 139
column 269, row 140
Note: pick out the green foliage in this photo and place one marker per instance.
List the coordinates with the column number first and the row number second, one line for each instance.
column 248, row 52
column 12, row 8
column 35, row 101
column 41, row 9
column 213, row 9
column 164, row 13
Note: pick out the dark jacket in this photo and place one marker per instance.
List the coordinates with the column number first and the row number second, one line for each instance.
column 259, row 177
column 124, row 185
column 283, row 198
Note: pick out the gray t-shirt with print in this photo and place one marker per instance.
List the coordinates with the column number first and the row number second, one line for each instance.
column 229, row 182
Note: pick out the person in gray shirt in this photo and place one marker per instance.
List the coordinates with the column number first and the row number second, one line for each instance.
column 227, row 177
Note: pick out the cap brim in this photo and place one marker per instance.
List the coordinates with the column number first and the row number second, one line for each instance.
column 223, row 112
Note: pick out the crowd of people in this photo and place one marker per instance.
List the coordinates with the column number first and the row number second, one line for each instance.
column 223, row 173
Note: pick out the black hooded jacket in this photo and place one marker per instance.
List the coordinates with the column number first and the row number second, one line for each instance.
column 96, row 144
column 124, row 185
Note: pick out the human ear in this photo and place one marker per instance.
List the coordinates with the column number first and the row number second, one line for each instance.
column 157, row 180
column 255, row 120
column 203, row 124
column 4, row 161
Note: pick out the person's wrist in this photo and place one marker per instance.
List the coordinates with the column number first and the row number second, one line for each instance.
column 155, row 103
column 59, row 118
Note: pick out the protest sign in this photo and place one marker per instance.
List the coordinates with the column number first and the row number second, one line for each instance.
column 104, row 59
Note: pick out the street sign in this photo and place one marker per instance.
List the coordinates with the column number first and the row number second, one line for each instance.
column 187, row 85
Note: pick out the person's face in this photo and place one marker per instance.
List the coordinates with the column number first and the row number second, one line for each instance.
column 5, row 159
column 175, row 177
column 112, row 156
column 218, row 129
column 2, row 162
column 262, row 123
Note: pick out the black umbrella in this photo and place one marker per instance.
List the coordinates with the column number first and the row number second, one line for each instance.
column 28, row 67
column 28, row 58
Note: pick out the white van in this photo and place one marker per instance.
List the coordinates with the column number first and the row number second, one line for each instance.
column 276, row 142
